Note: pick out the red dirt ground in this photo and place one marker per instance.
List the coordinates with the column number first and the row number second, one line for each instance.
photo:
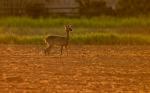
column 87, row 69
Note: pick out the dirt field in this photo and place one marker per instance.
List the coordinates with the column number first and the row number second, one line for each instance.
column 87, row 69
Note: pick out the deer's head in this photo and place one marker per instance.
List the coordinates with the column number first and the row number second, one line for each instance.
column 68, row 28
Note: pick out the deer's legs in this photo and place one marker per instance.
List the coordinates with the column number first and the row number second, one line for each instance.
column 61, row 49
column 66, row 49
column 47, row 49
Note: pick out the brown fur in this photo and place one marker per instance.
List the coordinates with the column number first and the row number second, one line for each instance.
column 57, row 40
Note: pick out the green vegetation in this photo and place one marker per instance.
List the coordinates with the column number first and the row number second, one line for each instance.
column 78, row 22
column 102, row 30
column 86, row 38
column 14, row 39
column 110, row 38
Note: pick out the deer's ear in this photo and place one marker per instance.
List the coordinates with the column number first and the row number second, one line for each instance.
column 70, row 25
column 65, row 26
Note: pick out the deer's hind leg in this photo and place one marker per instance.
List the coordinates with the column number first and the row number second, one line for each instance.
column 47, row 50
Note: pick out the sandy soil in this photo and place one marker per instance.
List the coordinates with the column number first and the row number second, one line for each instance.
column 87, row 69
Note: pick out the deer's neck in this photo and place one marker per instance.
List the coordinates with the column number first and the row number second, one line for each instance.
column 67, row 38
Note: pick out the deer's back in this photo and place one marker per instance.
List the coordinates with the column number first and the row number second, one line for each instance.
column 57, row 40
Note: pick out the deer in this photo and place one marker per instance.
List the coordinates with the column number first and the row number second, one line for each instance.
column 61, row 41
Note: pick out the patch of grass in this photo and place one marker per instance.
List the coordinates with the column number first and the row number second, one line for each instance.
column 88, row 38
column 77, row 22
column 110, row 38
column 14, row 39
column 100, row 30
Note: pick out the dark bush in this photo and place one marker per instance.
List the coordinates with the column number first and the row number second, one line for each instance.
column 12, row 7
column 36, row 9
column 133, row 7
column 94, row 8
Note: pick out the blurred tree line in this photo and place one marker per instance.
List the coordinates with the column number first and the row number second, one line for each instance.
column 133, row 7
column 94, row 8
column 32, row 8
column 37, row 8
column 122, row 8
